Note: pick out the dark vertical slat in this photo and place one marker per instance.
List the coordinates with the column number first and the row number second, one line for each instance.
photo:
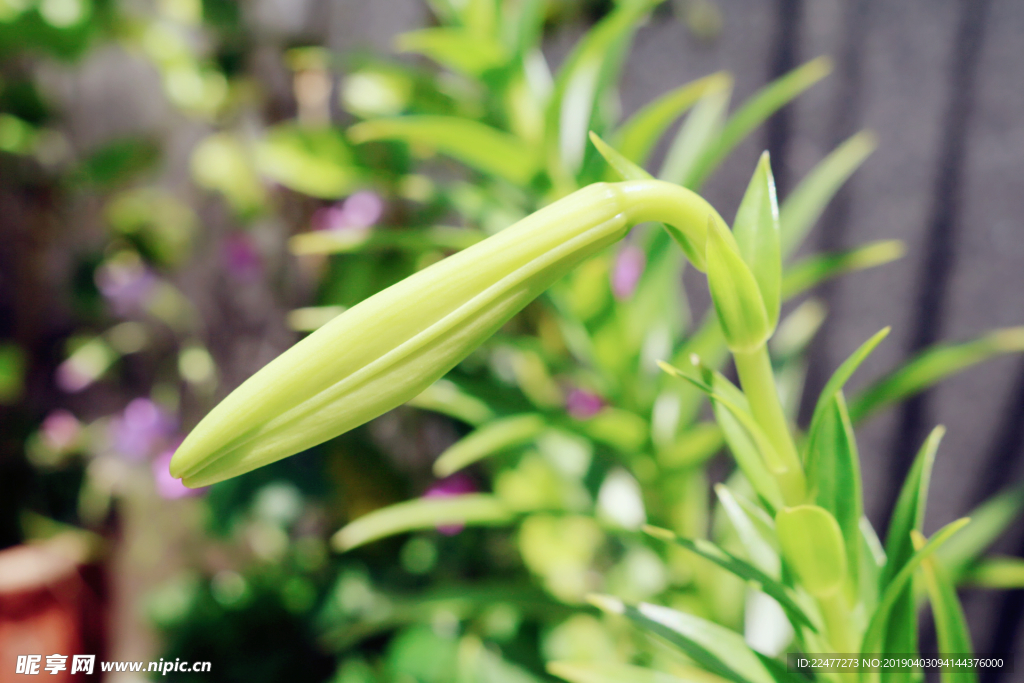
column 941, row 237
column 1001, row 464
column 786, row 56
column 846, row 120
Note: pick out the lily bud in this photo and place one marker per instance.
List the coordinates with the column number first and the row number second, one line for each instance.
column 735, row 293
column 389, row 348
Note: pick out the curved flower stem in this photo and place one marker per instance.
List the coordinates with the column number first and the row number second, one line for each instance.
column 755, row 373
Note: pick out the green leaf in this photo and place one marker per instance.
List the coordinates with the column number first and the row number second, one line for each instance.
column 446, row 398
column 988, row 522
column 753, row 535
column 756, row 230
column 607, row 672
column 950, row 623
column 492, row 438
column 475, row 144
column 623, row 166
column 747, row 441
column 872, row 561
column 931, row 366
column 714, row 648
column 908, row 516
column 807, row 201
column 744, row 570
column 1001, row 573
column 577, row 87
column 692, row 447
column 735, row 293
column 358, row 241
column 763, row 104
column 476, row 509
column 812, row 545
column 837, row 381
column 876, row 630
column 454, row 48
column 637, row 136
column 698, row 133
column 833, row 473
column 316, row 161
column 909, row 512
column 819, row 268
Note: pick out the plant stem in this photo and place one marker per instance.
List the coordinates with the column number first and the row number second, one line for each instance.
column 758, row 381
column 837, row 620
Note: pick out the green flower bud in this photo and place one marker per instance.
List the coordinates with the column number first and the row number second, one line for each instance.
column 734, row 292
column 812, row 545
column 389, row 348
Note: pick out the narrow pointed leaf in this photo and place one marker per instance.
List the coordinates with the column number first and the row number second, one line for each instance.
column 988, row 522
column 455, row 48
column 744, row 570
column 699, row 131
column 448, row 399
column 908, row 517
column 814, row 270
column 833, row 473
column 838, row 380
column 714, row 648
column 578, row 82
column 474, row 509
column 932, row 366
column 637, row 136
column 807, row 201
column 876, row 630
column 475, row 144
column 492, row 438
column 757, row 109
column 756, row 230
column 747, row 441
column 1000, row 573
column 760, row 551
column 950, row 624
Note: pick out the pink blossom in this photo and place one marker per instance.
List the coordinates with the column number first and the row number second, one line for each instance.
column 457, row 484
column 359, row 212
column 60, row 430
column 241, row 258
column 626, row 272
column 126, row 284
column 142, row 429
column 583, row 404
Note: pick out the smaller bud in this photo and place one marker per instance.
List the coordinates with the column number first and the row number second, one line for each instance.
column 734, row 291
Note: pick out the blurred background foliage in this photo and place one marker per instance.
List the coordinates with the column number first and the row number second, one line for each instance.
column 155, row 260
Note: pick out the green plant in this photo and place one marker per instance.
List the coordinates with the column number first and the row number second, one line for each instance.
column 643, row 449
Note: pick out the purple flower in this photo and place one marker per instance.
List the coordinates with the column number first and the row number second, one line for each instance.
column 583, row 404
column 126, row 283
column 359, row 212
column 142, row 429
column 241, row 258
column 457, row 484
column 167, row 486
column 626, row 272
